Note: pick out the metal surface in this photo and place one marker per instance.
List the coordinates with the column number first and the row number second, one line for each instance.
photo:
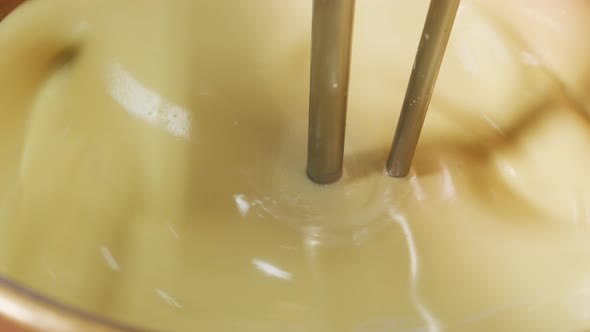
column 433, row 42
column 330, row 66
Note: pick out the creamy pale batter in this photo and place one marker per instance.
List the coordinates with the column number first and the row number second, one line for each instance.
column 152, row 159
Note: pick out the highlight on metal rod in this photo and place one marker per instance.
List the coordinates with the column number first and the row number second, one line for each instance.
column 331, row 40
column 431, row 50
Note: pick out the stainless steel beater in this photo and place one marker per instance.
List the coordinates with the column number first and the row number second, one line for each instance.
column 332, row 27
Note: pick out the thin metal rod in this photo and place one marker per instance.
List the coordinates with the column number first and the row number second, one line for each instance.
column 331, row 42
column 431, row 50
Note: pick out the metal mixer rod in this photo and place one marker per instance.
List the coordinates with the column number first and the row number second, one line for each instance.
column 330, row 67
column 431, row 50
column 331, row 40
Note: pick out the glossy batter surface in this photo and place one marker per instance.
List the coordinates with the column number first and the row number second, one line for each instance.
column 152, row 158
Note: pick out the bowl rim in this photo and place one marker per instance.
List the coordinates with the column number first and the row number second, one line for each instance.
column 44, row 313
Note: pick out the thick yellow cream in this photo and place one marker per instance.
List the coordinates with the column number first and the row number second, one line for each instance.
column 152, row 160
